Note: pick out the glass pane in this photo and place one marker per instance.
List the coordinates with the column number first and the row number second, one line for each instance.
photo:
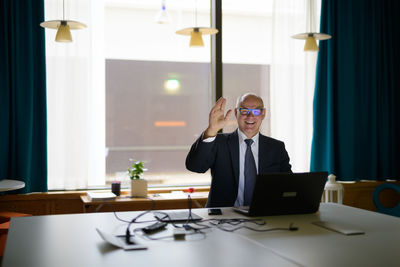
column 246, row 53
column 158, row 90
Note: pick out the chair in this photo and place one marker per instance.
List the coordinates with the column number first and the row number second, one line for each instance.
column 394, row 211
column 5, row 217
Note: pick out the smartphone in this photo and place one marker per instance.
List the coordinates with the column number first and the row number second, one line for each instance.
column 214, row 212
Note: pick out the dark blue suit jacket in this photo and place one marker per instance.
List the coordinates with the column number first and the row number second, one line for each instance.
column 222, row 157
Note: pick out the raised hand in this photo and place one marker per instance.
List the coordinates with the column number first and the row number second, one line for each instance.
column 217, row 118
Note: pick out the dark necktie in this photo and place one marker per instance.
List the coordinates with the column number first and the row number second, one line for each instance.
column 250, row 172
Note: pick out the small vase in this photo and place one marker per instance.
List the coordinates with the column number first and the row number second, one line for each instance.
column 139, row 188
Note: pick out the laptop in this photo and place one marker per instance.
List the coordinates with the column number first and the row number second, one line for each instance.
column 286, row 193
column 177, row 216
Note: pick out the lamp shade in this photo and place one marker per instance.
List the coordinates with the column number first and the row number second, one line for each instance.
column 196, row 33
column 63, row 33
column 316, row 35
column 64, row 28
column 196, row 39
column 311, row 37
column 162, row 17
column 311, row 44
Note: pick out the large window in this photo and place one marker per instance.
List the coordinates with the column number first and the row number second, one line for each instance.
column 130, row 88
column 158, row 90
column 246, row 55
column 154, row 111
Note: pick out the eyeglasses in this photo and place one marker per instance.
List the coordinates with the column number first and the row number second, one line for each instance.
column 246, row 111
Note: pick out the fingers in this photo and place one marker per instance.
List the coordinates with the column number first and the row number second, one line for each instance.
column 220, row 104
column 223, row 103
column 217, row 121
column 227, row 115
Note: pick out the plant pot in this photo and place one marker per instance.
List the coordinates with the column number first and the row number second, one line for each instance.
column 139, row 188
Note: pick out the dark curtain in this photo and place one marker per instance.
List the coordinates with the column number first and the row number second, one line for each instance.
column 357, row 94
column 23, row 145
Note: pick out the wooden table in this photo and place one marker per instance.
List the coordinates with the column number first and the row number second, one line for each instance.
column 159, row 201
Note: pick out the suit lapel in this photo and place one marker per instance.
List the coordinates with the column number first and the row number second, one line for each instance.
column 233, row 145
column 262, row 149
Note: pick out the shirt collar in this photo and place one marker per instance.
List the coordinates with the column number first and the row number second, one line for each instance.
column 243, row 137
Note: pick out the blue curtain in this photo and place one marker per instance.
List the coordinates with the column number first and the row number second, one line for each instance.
column 23, row 147
column 357, row 93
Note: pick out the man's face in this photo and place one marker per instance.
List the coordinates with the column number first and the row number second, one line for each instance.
column 250, row 124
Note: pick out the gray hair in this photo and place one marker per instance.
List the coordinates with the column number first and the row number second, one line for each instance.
column 240, row 99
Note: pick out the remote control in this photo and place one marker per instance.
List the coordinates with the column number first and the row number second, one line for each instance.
column 154, row 227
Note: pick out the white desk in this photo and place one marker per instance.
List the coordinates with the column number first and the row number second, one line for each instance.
column 71, row 240
column 8, row 185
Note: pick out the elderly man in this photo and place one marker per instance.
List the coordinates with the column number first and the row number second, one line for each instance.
column 236, row 158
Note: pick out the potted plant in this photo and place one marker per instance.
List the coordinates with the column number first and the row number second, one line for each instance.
column 138, row 184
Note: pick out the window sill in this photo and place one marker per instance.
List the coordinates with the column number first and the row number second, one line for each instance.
column 67, row 202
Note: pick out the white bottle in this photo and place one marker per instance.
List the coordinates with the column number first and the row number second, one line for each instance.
column 333, row 190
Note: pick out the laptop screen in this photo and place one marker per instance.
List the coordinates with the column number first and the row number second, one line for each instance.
column 287, row 193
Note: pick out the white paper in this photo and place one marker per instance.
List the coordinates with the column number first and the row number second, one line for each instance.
column 118, row 242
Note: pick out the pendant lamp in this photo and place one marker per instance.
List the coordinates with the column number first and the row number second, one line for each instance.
column 196, row 33
column 311, row 36
column 162, row 16
column 63, row 27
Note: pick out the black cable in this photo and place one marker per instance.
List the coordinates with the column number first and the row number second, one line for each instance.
column 166, row 219
column 190, row 218
column 220, row 225
column 127, row 233
column 186, row 225
column 148, row 236
column 236, row 221
column 190, row 209
column 126, row 221
column 202, row 226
